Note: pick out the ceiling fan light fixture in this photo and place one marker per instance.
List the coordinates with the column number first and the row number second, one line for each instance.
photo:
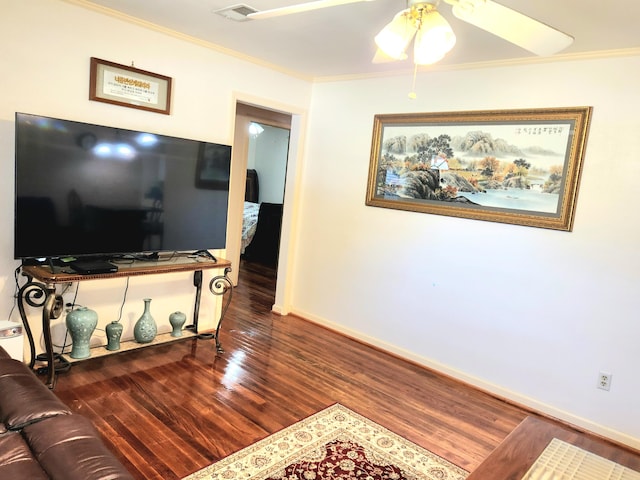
column 381, row 57
column 395, row 37
column 434, row 39
column 425, row 55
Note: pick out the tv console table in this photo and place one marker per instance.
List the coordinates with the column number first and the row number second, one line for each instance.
column 40, row 292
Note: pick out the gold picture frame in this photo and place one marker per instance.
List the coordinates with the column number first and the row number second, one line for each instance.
column 129, row 87
column 520, row 167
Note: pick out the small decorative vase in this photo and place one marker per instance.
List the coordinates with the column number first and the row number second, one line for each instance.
column 177, row 320
column 145, row 329
column 81, row 323
column 114, row 332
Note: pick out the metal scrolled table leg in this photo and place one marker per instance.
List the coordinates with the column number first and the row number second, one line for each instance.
column 40, row 295
column 220, row 285
column 197, row 282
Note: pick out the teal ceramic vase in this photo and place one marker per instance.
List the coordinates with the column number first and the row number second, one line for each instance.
column 81, row 323
column 114, row 332
column 145, row 329
column 177, row 320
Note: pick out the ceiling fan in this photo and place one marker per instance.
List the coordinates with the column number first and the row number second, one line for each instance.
column 434, row 36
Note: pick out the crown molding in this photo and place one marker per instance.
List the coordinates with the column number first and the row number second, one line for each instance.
column 401, row 71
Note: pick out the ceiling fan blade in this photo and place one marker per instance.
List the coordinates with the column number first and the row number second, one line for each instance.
column 301, row 7
column 511, row 25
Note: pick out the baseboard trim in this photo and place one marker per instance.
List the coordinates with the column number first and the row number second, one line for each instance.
column 509, row 396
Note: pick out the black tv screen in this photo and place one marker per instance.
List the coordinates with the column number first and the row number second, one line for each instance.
column 84, row 190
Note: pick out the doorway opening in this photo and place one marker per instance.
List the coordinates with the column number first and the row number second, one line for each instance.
column 261, row 149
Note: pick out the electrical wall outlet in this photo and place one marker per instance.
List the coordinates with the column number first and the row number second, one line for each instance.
column 604, row 381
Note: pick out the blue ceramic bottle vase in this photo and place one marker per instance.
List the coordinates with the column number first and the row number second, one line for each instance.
column 145, row 329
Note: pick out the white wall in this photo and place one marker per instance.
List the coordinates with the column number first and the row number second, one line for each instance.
column 268, row 156
column 528, row 313
column 44, row 60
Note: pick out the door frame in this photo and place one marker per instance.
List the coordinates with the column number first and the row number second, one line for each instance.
column 248, row 109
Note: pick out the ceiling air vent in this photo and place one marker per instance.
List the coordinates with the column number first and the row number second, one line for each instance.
column 237, row 13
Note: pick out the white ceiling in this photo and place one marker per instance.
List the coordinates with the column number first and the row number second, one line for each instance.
column 338, row 41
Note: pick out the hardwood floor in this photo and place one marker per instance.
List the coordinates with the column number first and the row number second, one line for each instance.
column 513, row 457
column 169, row 410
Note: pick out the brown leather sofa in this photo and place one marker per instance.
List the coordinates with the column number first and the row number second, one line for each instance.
column 40, row 438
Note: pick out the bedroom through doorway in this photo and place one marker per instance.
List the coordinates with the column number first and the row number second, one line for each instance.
column 264, row 147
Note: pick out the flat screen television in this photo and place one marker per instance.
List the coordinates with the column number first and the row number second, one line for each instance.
column 97, row 192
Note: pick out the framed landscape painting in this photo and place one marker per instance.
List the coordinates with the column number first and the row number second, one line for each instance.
column 511, row 166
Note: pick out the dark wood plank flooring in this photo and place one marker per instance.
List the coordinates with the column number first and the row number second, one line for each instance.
column 514, row 457
column 169, row 410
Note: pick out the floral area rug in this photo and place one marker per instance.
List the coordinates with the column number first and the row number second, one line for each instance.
column 333, row 444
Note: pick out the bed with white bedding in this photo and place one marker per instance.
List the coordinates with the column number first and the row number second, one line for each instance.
column 261, row 224
column 249, row 223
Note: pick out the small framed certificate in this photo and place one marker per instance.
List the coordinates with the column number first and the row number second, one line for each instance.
column 129, row 87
